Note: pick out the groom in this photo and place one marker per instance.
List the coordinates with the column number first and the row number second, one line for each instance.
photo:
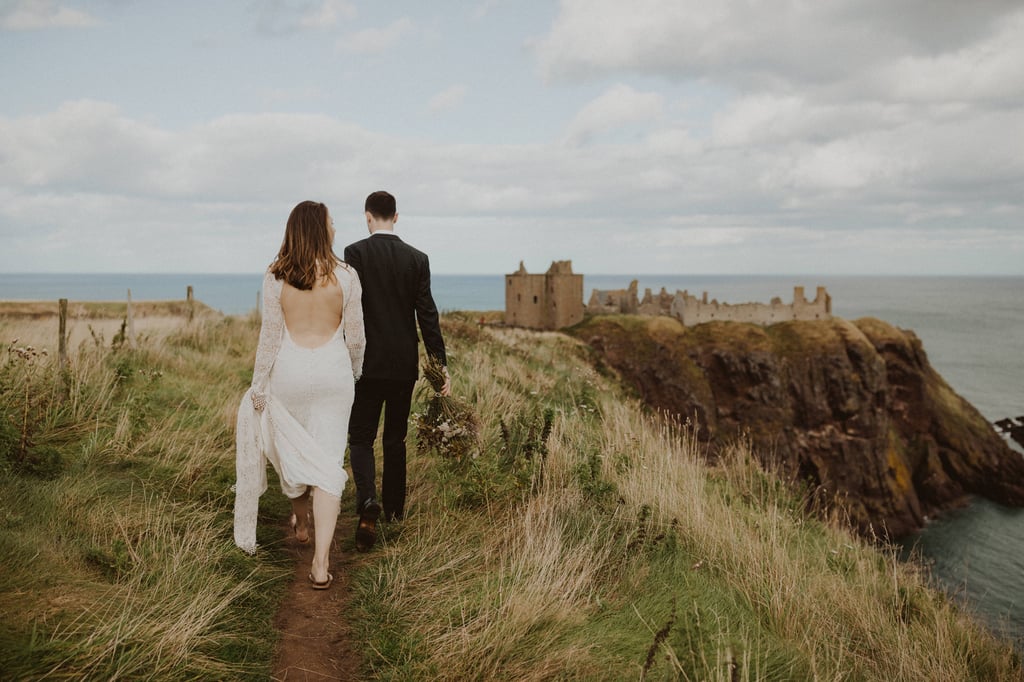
column 396, row 294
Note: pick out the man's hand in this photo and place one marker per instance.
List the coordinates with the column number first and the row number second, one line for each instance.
column 447, row 388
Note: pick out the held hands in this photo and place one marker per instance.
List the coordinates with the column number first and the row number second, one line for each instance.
column 259, row 401
column 446, row 389
column 437, row 377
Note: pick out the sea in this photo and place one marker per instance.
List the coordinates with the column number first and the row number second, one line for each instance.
column 972, row 329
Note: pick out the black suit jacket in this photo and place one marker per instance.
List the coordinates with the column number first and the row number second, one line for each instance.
column 396, row 293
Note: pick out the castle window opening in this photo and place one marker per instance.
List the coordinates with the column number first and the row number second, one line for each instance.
column 534, row 299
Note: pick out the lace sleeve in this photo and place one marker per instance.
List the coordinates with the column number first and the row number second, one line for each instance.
column 271, row 332
column 355, row 333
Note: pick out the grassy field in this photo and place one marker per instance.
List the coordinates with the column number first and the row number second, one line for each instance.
column 580, row 538
column 115, row 509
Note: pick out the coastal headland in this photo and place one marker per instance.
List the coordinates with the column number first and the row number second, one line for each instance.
column 852, row 409
column 582, row 536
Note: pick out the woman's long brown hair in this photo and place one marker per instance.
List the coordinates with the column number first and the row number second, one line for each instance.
column 306, row 253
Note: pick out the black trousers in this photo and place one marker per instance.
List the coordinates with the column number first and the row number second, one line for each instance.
column 395, row 397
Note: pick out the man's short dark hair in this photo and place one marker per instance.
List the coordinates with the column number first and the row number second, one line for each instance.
column 381, row 205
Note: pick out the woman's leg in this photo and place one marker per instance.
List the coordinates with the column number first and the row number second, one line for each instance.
column 300, row 510
column 325, row 516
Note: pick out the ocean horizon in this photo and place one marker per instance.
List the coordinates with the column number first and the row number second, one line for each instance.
column 970, row 327
column 969, row 324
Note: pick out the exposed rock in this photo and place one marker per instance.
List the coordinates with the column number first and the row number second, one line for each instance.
column 1013, row 429
column 853, row 407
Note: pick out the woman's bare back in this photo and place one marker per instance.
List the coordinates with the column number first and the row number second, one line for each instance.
column 313, row 316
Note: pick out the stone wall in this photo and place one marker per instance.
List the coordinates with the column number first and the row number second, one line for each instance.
column 656, row 305
column 691, row 310
column 614, row 301
column 564, row 296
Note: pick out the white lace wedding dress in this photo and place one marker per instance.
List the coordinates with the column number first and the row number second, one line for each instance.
column 308, row 394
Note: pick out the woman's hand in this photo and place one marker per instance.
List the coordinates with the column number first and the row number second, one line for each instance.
column 259, row 401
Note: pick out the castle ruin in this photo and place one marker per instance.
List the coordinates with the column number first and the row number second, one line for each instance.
column 691, row 310
column 549, row 301
column 614, row 301
column 554, row 300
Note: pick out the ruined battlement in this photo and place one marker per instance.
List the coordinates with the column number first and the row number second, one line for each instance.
column 611, row 301
column 552, row 300
column 691, row 310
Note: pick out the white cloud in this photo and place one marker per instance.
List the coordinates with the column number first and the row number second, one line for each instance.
column 375, row 40
column 448, row 99
column 761, row 118
column 220, row 191
column 618, row 106
column 846, row 164
column 728, row 135
column 89, row 146
column 992, row 69
column 327, row 14
column 81, row 145
column 683, row 39
column 28, row 15
column 697, row 237
column 922, row 49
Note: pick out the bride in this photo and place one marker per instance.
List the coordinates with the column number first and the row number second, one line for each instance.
column 296, row 412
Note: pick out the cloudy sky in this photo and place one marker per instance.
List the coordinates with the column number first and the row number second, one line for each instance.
column 650, row 136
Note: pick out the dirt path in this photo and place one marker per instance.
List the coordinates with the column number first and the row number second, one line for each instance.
column 316, row 638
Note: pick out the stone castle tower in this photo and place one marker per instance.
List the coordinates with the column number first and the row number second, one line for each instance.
column 549, row 301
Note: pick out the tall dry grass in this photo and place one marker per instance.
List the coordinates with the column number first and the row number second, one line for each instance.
column 115, row 522
column 588, row 540
column 615, row 552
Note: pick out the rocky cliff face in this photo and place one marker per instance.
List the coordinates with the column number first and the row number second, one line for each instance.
column 852, row 407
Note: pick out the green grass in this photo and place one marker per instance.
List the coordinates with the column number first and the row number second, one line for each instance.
column 619, row 555
column 118, row 555
column 588, row 540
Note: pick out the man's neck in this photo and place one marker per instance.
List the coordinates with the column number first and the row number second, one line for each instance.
column 379, row 224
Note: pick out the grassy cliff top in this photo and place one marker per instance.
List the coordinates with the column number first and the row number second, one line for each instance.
column 581, row 538
column 784, row 338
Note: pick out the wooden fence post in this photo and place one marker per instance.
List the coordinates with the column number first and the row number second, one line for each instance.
column 191, row 303
column 131, row 322
column 62, row 344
